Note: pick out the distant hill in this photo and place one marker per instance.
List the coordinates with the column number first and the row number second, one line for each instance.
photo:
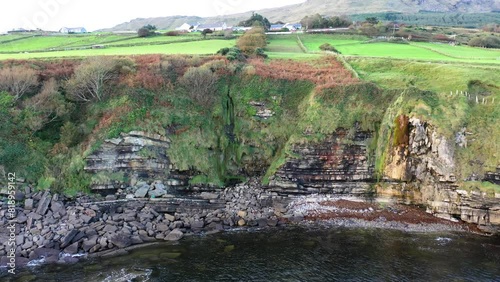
column 296, row 12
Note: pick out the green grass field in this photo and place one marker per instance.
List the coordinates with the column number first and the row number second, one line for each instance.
column 198, row 47
column 464, row 52
column 438, row 77
column 356, row 46
column 32, row 43
column 313, row 41
column 279, row 46
column 283, row 43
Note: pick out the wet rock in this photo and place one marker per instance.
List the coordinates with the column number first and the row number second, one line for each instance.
column 72, row 249
column 67, row 239
column 121, row 240
column 174, row 235
column 89, row 243
column 95, row 248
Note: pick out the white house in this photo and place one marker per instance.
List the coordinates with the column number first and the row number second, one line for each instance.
column 293, row 26
column 187, row 27
column 218, row 26
column 73, row 30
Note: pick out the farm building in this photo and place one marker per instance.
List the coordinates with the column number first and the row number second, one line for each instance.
column 218, row 26
column 187, row 27
column 73, row 30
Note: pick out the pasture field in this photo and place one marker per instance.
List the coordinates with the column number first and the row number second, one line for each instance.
column 356, row 46
column 463, row 52
column 283, row 43
column 196, row 48
column 279, row 47
column 18, row 43
column 437, row 77
column 313, row 41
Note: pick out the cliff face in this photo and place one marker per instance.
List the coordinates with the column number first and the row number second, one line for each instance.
column 422, row 172
column 419, row 169
column 135, row 155
column 340, row 164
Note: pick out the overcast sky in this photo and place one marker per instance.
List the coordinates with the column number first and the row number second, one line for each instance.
column 97, row 14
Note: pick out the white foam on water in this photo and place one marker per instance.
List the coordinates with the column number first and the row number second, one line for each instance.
column 36, row 262
column 443, row 240
column 126, row 275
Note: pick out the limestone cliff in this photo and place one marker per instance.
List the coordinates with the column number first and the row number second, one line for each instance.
column 422, row 171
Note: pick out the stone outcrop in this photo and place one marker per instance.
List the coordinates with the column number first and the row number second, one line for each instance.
column 340, row 164
column 425, row 155
column 138, row 155
column 422, row 172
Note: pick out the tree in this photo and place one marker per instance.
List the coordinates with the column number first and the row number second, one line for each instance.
column 17, row 80
column 256, row 18
column 90, row 79
column 205, row 32
column 146, row 30
column 318, row 21
column 201, row 85
column 372, row 20
column 251, row 40
column 46, row 106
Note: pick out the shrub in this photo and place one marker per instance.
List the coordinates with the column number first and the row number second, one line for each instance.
column 251, row 40
column 205, row 32
column 328, row 47
column 18, row 80
column 46, row 106
column 486, row 42
column 200, row 84
column 143, row 32
column 90, row 79
column 172, row 33
column 232, row 54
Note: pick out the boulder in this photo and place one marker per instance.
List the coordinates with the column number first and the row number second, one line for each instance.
column 169, row 217
column 141, row 191
column 241, row 222
column 110, row 228
column 56, row 207
column 174, row 235
column 43, row 204
column 209, row 196
column 121, row 240
column 28, row 204
column 72, row 249
column 89, row 243
column 66, row 240
column 162, row 227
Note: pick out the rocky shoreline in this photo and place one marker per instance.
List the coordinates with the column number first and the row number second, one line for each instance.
column 54, row 229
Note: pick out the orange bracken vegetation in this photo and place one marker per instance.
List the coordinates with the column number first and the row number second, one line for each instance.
column 326, row 72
